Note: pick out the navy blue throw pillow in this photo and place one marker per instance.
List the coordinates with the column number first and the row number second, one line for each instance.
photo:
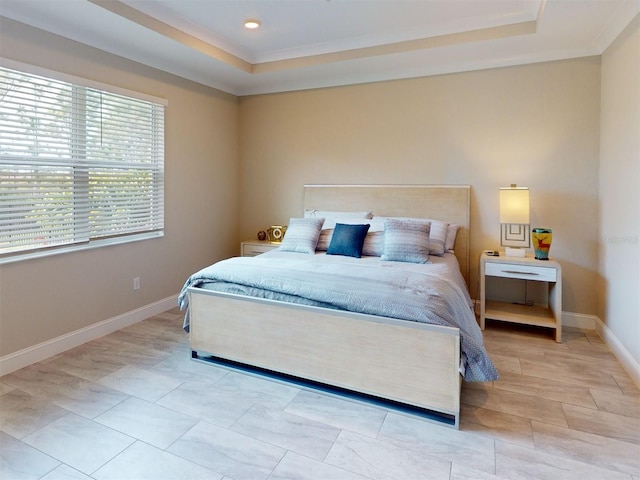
column 347, row 240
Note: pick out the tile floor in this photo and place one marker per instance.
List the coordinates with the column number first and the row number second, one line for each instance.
column 132, row 405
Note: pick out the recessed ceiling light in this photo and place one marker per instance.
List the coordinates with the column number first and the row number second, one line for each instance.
column 252, row 24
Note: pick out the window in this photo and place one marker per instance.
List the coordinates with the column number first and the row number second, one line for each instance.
column 78, row 165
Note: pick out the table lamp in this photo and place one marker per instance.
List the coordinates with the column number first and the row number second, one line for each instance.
column 514, row 220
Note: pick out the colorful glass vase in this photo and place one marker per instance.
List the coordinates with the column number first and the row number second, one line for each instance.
column 541, row 238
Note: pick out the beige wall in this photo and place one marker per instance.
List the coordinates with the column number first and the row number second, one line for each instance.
column 619, row 300
column 43, row 299
column 534, row 125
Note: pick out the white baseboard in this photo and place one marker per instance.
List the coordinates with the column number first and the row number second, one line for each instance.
column 593, row 322
column 629, row 363
column 36, row 353
column 579, row 320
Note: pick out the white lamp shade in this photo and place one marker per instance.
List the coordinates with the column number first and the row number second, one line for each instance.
column 514, row 205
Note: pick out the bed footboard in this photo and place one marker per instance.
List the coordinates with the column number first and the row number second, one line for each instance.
column 410, row 363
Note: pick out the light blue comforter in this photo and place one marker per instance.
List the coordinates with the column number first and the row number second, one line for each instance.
column 433, row 293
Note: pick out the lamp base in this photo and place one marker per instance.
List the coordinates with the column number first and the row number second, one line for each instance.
column 514, row 252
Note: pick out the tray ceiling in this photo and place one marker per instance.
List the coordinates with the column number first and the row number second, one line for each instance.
column 305, row 44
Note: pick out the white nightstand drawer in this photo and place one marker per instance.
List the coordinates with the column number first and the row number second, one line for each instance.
column 252, row 249
column 526, row 272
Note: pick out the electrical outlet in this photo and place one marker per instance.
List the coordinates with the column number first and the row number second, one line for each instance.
column 136, row 283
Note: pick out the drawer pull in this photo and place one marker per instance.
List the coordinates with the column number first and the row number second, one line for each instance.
column 518, row 272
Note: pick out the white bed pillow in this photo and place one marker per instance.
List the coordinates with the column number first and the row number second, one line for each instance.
column 438, row 237
column 302, row 235
column 324, row 239
column 373, row 243
column 376, row 224
column 406, row 241
column 452, row 233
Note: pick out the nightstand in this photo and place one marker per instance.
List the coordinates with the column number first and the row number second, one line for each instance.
column 251, row 248
column 527, row 268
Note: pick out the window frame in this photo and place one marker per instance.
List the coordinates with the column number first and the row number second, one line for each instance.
column 39, row 252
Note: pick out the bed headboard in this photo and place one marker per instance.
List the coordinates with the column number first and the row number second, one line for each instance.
column 449, row 203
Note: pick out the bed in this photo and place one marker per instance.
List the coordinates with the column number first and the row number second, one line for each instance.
column 343, row 331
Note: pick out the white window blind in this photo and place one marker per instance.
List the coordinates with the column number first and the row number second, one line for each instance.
column 77, row 164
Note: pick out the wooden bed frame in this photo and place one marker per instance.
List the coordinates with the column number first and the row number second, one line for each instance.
column 410, row 364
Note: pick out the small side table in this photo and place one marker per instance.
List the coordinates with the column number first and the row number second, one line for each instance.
column 527, row 268
column 251, row 248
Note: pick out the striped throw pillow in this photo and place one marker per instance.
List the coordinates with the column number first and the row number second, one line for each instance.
column 302, row 235
column 406, row 241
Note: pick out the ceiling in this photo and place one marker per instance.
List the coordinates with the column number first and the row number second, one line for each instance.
column 320, row 43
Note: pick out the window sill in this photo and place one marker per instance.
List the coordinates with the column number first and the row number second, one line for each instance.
column 21, row 257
